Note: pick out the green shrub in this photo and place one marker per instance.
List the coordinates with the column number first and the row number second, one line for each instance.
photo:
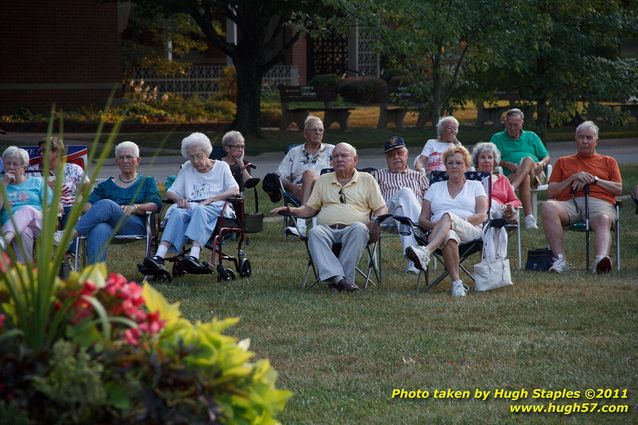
column 598, row 111
column 364, row 91
column 330, row 80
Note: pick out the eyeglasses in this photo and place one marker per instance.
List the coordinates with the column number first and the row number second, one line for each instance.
column 342, row 196
column 237, row 146
column 126, row 158
column 197, row 156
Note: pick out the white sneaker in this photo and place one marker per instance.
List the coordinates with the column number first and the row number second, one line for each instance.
column 530, row 222
column 559, row 265
column 301, row 225
column 57, row 237
column 292, row 231
column 412, row 269
column 419, row 255
column 459, row 289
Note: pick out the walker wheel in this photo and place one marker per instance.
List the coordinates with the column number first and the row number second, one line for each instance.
column 224, row 274
column 245, row 269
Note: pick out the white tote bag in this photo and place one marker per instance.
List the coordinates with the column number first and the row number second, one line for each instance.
column 493, row 271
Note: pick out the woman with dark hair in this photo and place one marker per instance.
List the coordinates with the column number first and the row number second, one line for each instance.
column 73, row 175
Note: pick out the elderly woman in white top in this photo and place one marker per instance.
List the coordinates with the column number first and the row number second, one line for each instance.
column 430, row 158
column 199, row 192
column 454, row 210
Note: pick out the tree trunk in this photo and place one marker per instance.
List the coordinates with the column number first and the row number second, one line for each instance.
column 247, row 119
column 542, row 118
column 436, row 88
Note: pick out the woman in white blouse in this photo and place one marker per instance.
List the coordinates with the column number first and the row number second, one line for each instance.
column 199, row 192
column 454, row 210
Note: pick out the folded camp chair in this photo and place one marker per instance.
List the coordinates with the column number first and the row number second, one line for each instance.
column 466, row 250
column 583, row 226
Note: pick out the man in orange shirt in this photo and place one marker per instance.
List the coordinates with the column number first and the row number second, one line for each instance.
column 567, row 203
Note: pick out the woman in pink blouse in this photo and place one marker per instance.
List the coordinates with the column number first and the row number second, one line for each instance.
column 504, row 201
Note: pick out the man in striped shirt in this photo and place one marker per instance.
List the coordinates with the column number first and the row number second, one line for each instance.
column 402, row 189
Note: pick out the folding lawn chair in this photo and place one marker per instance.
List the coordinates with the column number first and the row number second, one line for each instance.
column 584, row 226
column 373, row 264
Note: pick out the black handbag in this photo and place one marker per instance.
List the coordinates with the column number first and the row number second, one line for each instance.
column 539, row 260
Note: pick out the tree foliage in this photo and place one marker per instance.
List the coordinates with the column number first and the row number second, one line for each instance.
column 432, row 43
column 145, row 42
column 560, row 53
column 549, row 53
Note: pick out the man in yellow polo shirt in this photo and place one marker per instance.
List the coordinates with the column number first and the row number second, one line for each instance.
column 345, row 200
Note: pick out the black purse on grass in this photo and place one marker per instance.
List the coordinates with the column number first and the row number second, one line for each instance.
column 539, row 260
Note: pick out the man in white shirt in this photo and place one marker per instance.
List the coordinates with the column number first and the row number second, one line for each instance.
column 301, row 166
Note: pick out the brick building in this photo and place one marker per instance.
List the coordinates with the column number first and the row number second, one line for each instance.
column 65, row 52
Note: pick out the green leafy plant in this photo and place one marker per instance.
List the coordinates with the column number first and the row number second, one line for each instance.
column 93, row 348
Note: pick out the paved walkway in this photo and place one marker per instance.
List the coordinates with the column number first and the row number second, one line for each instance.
column 624, row 150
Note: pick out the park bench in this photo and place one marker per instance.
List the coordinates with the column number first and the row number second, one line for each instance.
column 298, row 101
column 395, row 104
column 492, row 111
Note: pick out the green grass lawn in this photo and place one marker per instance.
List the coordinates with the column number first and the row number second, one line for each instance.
column 343, row 354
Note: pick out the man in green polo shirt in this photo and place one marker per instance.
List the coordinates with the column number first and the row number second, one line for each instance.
column 523, row 157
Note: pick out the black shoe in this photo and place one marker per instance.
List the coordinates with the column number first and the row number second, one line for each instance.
column 345, row 285
column 334, row 287
column 272, row 187
column 193, row 266
column 154, row 263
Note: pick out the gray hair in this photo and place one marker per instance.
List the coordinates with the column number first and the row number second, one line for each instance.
column 443, row 122
column 16, row 152
column 588, row 125
column 348, row 146
column 311, row 119
column 196, row 140
column 231, row 137
column 514, row 111
column 479, row 148
column 127, row 145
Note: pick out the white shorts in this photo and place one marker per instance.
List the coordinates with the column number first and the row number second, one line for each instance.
column 462, row 231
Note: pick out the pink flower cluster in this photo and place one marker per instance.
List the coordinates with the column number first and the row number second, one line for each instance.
column 120, row 298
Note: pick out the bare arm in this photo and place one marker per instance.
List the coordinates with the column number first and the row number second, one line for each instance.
column 426, row 215
column 419, row 162
column 481, row 211
column 222, row 196
column 174, row 197
column 303, row 211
